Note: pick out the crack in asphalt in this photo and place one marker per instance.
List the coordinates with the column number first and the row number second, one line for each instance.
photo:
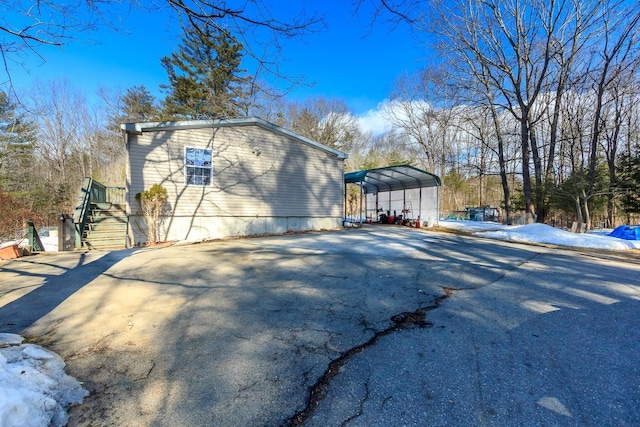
column 404, row 320
column 146, row 376
column 360, row 406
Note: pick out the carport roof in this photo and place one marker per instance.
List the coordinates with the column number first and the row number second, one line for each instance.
column 392, row 178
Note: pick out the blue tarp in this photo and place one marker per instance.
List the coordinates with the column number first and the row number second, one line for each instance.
column 627, row 232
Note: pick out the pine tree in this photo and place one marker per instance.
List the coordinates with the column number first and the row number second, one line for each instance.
column 629, row 183
column 139, row 105
column 205, row 79
column 17, row 144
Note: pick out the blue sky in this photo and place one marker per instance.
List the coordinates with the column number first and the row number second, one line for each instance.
column 347, row 60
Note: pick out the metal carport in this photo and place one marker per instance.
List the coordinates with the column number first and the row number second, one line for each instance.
column 389, row 180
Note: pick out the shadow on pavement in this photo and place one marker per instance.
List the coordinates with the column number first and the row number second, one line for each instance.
column 22, row 312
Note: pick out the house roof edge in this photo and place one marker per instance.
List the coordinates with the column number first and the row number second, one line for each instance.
column 139, row 128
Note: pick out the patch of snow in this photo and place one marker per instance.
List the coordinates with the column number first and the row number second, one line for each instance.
column 542, row 233
column 50, row 243
column 35, row 390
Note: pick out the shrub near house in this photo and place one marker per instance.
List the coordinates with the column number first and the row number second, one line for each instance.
column 153, row 202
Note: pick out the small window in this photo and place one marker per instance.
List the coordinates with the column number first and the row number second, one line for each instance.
column 197, row 162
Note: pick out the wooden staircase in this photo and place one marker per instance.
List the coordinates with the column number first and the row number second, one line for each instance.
column 106, row 226
column 99, row 218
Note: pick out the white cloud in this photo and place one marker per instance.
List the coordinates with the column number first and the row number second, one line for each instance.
column 375, row 120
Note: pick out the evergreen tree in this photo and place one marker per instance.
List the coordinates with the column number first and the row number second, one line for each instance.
column 205, row 80
column 139, row 105
column 629, row 183
column 17, row 142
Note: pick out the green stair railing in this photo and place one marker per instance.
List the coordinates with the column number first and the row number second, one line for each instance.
column 82, row 209
column 34, row 238
column 93, row 192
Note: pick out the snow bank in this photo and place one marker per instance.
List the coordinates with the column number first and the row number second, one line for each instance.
column 542, row 233
column 35, row 390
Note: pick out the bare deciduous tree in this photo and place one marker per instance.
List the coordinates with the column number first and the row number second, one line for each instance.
column 71, row 142
column 523, row 57
column 326, row 120
column 422, row 107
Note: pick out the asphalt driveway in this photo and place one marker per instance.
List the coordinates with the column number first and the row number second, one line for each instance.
column 379, row 326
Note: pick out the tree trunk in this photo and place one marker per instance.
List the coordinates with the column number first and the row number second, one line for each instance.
column 611, row 165
column 587, row 215
column 578, row 213
column 502, row 164
column 540, row 208
column 526, row 177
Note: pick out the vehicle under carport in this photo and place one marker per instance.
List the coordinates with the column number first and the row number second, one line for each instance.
column 395, row 194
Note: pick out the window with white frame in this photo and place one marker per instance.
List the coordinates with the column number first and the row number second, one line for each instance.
column 197, row 164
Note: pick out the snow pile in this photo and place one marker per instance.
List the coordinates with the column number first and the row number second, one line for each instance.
column 541, row 233
column 35, row 389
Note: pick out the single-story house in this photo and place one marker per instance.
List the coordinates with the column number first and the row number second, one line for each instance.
column 232, row 177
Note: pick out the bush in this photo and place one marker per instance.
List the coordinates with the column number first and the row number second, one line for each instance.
column 153, row 203
column 13, row 213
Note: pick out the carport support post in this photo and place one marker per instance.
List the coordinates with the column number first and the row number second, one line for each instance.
column 345, row 203
column 404, row 202
column 420, row 204
column 361, row 192
column 437, row 205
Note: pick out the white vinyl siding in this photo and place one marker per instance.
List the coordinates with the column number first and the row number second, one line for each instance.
column 256, row 174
